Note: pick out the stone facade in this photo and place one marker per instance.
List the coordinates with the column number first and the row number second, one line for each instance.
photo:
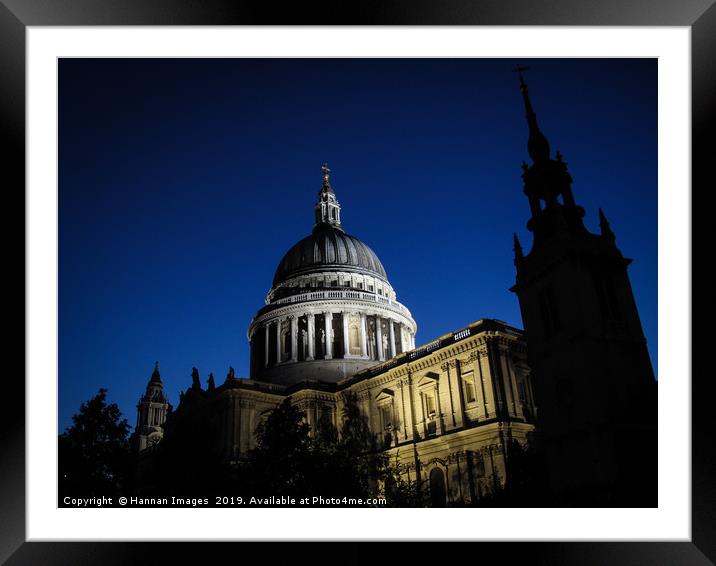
column 449, row 407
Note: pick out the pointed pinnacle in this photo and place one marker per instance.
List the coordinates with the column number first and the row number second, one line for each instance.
column 156, row 378
column 537, row 144
column 518, row 248
column 604, row 225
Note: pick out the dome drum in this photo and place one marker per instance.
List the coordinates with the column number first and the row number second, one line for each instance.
column 340, row 336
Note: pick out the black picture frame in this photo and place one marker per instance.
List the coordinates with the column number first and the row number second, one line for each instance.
column 699, row 15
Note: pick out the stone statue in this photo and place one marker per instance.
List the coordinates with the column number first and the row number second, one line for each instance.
column 304, row 343
column 195, row 382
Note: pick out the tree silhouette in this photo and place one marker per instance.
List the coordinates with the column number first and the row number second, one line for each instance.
column 290, row 461
column 281, row 464
column 93, row 454
column 368, row 469
column 289, row 458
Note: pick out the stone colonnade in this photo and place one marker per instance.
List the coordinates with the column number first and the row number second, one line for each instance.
column 330, row 334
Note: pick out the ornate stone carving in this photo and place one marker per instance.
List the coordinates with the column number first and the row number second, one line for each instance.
column 456, row 457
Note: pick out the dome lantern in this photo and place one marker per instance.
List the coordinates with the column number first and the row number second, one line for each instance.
column 328, row 209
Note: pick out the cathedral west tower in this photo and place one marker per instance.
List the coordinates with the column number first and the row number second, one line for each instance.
column 152, row 411
column 596, row 392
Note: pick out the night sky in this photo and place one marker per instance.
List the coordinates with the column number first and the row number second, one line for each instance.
column 182, row 182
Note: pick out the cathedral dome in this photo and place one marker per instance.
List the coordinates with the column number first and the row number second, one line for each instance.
column 331, row 311
column 328, row 248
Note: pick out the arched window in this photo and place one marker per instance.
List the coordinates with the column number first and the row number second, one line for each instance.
column 438, row 496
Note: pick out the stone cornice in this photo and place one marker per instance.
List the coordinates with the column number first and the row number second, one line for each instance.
column 476, row 345
column 313, row 395
column 246, row 396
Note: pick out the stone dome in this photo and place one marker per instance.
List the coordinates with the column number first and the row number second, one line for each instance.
column 328, row 248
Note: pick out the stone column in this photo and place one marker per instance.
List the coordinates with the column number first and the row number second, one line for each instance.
column 379, row 339
column 483, row 370
column 439, row 410
column 328, row 317
column 392, row 338
column 311, row 331
column 508, row 371
column 294, row 338
column 346, row 349
column 266, row 345
column 364, row 336
column 406, row 418
column 456, row 397
column 278, row 341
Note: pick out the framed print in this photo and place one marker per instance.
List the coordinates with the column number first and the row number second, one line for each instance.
column 139, row 191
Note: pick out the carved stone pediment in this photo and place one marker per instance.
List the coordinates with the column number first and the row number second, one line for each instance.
column 385, row 395
column 430, row 378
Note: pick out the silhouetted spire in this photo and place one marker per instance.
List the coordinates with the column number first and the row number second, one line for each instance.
column 517, row 248
column 604, row 226
column 195, row 380
column 211, row 383
column 537, row 143
column 327, row 210
column 155, row 375
column 545, row 181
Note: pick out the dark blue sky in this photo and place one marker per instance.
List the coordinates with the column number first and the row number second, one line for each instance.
column 182, row 182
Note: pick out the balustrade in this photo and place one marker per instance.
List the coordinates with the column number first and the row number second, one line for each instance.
column 360, row 295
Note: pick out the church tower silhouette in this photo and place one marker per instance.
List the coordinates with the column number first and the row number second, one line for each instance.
column 595, row 390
